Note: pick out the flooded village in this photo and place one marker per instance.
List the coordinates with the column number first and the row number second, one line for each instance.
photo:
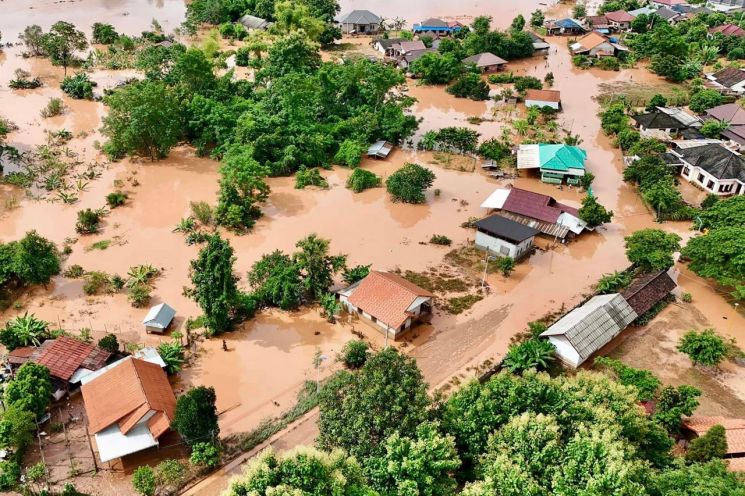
column 408, row 248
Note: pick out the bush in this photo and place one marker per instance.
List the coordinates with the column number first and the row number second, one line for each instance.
column 10, row 474
column 355, row 354
column 203, row 212
column 54, row 107
column 355, row 274
column 95, row 282
column 109, row 343
column 139, row 295
column 534, row 353
column 23, row 81
column 170, row 472
column 74, row 271
column 469, row 85
column 242, row 56
column 494, row 149
column 711, row 445
column 614, row 282
column 116, row 199
column 439, row 239
column 309, row 177
column 523, row 83
column 609, row 64
column 706, row 347
column 703, row 100
column 172, row 354
column 89, row 221
column 360, row 180
column 687, row 297
column 143, row 481
column 78, row 86
column 349, row 153
column 205, row 455
column 409, row 183
column 104, row 34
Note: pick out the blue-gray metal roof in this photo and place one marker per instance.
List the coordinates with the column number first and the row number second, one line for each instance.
column 159, row 316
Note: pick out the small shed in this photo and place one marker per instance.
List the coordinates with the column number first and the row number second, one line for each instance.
column 255, row 23
column 486, row 62
column 543, row 98
column 504, row 237
column 380, row 149
column 647, row 290
column 158, row 318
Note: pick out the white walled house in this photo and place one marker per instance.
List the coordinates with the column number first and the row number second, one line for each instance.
column 586, row 329
column 728, row 79
column 711, row 166
column 387, row 300
column 543, row 98
column 504, row 237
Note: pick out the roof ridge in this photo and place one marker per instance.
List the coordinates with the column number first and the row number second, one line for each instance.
column 140, row 381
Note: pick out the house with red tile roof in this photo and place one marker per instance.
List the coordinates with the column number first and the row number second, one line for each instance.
column 388, row 300
column 136, row 416
column 619, row 20
column 666, row 3
column 698, row 425
column 728, row 30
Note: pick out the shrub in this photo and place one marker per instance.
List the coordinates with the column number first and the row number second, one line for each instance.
column 109, row 343
column 523, row 83
column 78, row 86
column 205, row 455
column 439, row 239
column 54, row 107
column 355, row 274
column 469, row 85
column 116, row 199
column 706, row 347
column 139, row 295
column 203, row 212
column 10, row 474
column 95, row 282
column 89, row 221
column 494, row 149
column 309, row 177
column 349, row 153
column 533, row 353
column 687, row 297
column 711, row 445
column 614, row 282
column 355, row 354
column 609, row 64
column 104, row 34
column 409, row 183
column 24, row 330
column 143, row 480
column 172, row 354
column 242, row 56
column 170, row 472
column 74, row 271
column 703, row 100
column 23, row 81
column 360, row 180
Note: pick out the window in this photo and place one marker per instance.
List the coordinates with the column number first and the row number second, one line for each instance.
column 686, row 170
column 725, row 188
column 710, row 185
column 701, row 178
column 504, row 250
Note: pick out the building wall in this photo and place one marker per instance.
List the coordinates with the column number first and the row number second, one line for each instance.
column 538, row 103
column 502, row 247
column 602, row 48
column 565, row 351
column 392, row 333
column 722, row 187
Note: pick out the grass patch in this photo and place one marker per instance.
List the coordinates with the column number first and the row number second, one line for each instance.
column 639, row 95
column 436, row 283
column 454, row 161
column 460, row 304
column 99, row 245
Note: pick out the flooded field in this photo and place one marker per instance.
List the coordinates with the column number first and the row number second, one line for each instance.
column 269, row 358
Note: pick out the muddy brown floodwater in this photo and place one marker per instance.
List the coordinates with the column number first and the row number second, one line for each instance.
column 270, row 357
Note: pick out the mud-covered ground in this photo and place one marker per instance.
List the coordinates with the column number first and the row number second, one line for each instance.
column 270, row 357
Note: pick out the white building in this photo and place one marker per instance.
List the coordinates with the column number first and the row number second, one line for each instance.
column 586, row 329
column 388, row 300
column 711, row 166
column 543, row 98
column 504, row 237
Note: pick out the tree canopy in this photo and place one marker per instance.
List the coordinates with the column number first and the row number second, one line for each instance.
column 195, row 418
column 652, row 249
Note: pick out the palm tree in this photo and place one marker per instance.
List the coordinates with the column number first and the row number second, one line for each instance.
column 141, row 274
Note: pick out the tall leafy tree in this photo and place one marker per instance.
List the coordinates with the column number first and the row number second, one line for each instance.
column 720, row 255
column 30, row 389
column 593, row 212
column 214, row 283
column 195, row 418
column 358, row 412
column 35, row 259
column 652, row 249
column 316, row 266
column 62, row 42
column 242, row 188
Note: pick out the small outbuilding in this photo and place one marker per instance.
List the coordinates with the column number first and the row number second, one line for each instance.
column 587, row 328
column 253, row 23
column 543, row 98
column 359, row 22
column 380, row 149
column 504, row 237
column 647, row 290
column 158, row 318
column 486, row 62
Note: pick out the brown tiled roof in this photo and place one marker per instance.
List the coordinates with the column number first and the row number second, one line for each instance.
column 729, row 76
column 728, row 30
column 619, row 16
column 646, row 291
column 536, row 205
column 736, row 464
column 596, row 21
column 591, row 40
column 543, row 95
column 387, row 297
column 64, row 355
column 140, row 387
column 735, row 428
column 20, row 355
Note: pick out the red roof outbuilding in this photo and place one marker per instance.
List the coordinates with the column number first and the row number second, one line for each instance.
column 536, row 205
column 64, row 355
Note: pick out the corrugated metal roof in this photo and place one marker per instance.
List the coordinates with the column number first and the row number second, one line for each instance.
column 159, row 316
column 591, row 326
column 485, row 59
column 359, row 17
column 380, row 149
column 253, row 22
column 504, row 228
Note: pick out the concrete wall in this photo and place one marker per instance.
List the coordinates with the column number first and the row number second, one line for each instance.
column 502, row 247
column 538, row 103
column 565, row 351
column 722, row 187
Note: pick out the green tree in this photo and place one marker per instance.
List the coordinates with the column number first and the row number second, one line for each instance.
column 469, row 85
column 354, row 274
column 672, row 404
column 350, row 153
column 144, row 118
column 143, row 480
column 644, row 381
column 518, row 23
column 420, row 464
column 698, row 479
column 614, row 119
column 172, row 354
column 729, row 212
column 62, row 42
column 358, row 412
column 719, row 254
column 276, row 281
column 109, row 343
column 301, row 471
column 713, row 128
column 537, row 18
column 195, row 418
column 214, row 284
column 705, row 347
column 708, row 447
column 317, row 266
column 652, row 249
column 532, row 353
column 408, row 183
column 360, row 180
column 354, row 354
column 242, row 188
column 705, row 99
column 30, row 389
column 24, row 330
column 436, row 68
column 293, row 53
column 193, row 72
column 205, row 455
column 593, row 212
column 104, row 34
column 17, row 427
column 35, row 259
column 33, row 38
column 579, row 11
column 656, row 101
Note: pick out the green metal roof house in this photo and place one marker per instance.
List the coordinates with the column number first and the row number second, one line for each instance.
column 556, row 162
